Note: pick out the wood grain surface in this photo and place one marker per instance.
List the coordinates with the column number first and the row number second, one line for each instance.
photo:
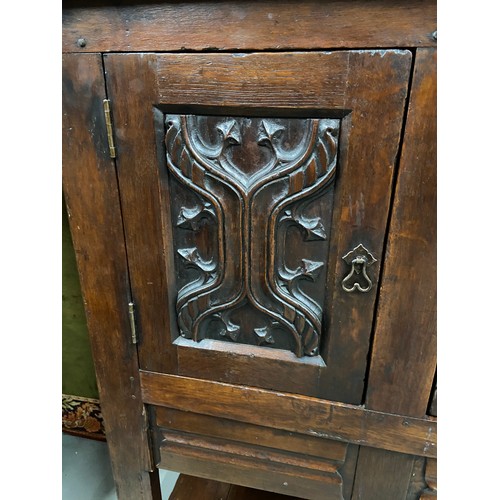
column 240, row 364
column 248, row 26
column 195, row 423
column 366, row 88
column 301, row 427
column 405, row 333
column 291, row 412
column 403, row 360
column 91, row 193
column 191, row 487
column 132, row 91
column 225, row 462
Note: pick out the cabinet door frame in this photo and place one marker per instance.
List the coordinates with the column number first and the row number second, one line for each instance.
column 367, row 88
column 403, row 360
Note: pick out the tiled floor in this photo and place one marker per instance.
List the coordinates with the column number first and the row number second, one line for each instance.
column 86, row 471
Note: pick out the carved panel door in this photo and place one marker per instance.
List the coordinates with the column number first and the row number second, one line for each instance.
column 255, row 191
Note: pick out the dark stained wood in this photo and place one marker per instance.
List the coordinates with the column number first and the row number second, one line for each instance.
column 403, row 359
column 225, row 408
column 233, row 363
column 293, row 413
column 430, row 493
column 388, row 476
column 345, row 84
column 245, row 451
column 363, row 209
column 197, row 488
column 233, row 430
column 240, row 190
column 348, row 470
column 91, row 194
column 433, row 407
column 137, row 164
column 269, row 480
column 275, row 25
column 405, row 333
column 417, row 480
column 247, row 466
column 242, row 493
column 286, row 447
column 292, row 81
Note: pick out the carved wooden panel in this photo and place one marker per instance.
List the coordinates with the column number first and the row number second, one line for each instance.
column 251, row 205
column 284, row 462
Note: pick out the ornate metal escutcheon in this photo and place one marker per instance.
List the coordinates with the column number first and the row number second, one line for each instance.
column 359, row 259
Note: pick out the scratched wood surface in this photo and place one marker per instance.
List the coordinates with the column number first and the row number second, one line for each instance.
column 291, row 412
column 233, row 430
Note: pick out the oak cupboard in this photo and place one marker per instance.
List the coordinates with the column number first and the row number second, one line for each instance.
column 251, row 193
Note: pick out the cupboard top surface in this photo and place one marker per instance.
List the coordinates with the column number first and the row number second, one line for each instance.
column 247, row 26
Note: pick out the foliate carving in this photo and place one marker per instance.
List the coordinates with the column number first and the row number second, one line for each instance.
column 269, row 133
column 308, row 269
column 192, row 257
column 191, row 218
column 313, row 228
column 230, row 329
column 264, row 335
column 256, row 181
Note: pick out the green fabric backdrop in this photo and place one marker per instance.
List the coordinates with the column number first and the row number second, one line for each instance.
column 78, row 375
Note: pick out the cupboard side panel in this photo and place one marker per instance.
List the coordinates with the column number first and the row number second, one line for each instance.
column 91, row 194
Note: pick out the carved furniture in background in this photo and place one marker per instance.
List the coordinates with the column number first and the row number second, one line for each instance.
column 257, row 247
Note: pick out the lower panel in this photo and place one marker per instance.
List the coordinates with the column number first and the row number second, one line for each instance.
column 293, row 413
column 249, row 365
column 239, row 463
column 304, row 483
column 217, row 427
column 250, row 455
column 281, row 442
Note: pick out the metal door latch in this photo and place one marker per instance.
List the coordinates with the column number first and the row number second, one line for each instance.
column 359, row 259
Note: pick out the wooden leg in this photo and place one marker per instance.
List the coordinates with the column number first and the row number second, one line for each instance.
column 382, row 475
column 92, row 199
column 145, row 485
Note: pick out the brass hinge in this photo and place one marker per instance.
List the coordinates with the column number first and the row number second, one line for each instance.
column 131, row 317
column 109, row 128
